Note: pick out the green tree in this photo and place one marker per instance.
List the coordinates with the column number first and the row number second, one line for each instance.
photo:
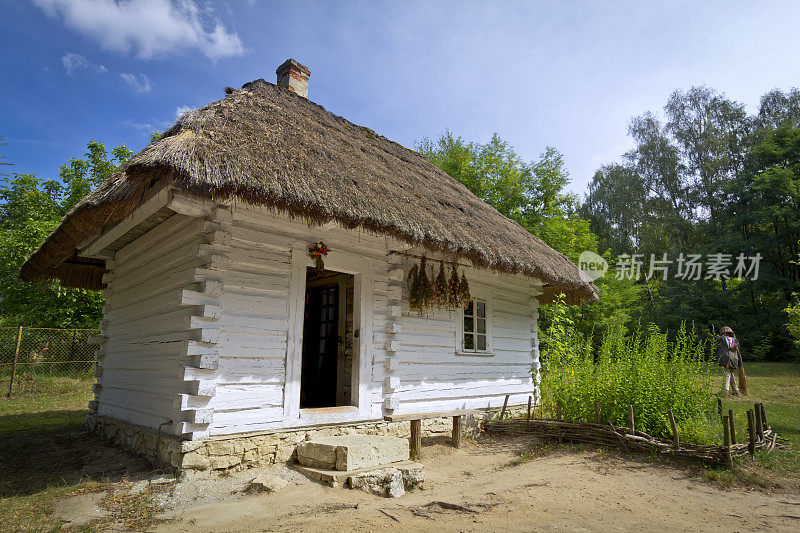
column 707, row 179
column 30, row 209
column 531, row 194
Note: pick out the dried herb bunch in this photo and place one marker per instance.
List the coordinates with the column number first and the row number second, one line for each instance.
column 426, row 291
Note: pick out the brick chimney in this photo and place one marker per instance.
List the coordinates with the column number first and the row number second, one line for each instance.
column 293, row 76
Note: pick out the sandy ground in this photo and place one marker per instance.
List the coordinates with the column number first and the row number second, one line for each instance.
column 475, row 489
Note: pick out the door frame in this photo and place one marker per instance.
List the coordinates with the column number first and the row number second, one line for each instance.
column 340, row 280
column 362, row 269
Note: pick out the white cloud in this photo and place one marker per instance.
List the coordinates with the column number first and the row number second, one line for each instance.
column 73, row 62
column 181, row 109
column 139, row 82
column 149, row 28
column 144, row 127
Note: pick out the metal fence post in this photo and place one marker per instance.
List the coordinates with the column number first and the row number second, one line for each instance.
column 14, row 366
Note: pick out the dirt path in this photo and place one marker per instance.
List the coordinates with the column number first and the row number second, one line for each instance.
column 478, row 491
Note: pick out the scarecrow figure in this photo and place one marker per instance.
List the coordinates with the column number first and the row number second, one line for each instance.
column 730, row 358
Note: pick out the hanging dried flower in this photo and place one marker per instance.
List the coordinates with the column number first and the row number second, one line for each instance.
column 440, row 287
column 412, row 273
column 425, row 286
column 453, row 286
column 463, row 289
column 414, row 296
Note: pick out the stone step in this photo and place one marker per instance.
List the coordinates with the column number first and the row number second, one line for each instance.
column 412, row 473
column 352, row 452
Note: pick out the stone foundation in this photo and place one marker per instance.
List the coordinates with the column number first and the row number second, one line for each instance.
column 256, row 449
column 162, row 450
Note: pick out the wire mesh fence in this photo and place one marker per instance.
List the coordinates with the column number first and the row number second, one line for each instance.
column 46, row 351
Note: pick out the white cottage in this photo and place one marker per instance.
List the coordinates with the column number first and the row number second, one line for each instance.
column 222, row 343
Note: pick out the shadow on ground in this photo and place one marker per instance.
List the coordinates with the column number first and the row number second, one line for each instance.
column 32, row 461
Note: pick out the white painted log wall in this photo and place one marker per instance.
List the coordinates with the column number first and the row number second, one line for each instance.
column 147, row 331
column 255, row 317
column 431, row 376
column 159, row 309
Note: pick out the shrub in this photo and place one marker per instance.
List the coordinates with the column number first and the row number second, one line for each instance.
column 640, row 368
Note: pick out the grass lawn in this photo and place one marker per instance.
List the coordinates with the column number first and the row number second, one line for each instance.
column 41, row 409
column 43, row 404
column 777, row 386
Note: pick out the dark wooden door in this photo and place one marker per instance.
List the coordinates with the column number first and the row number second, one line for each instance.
column 320, row 347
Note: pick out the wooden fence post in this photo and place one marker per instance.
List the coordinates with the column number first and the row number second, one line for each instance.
column 733, row 426
column 503, row 411
column 631, row 421
column 727, row 440
column 751, row 432
column 529, row 407
column 14, row 365
column 719, row 406
column 597, row 412
column 416, row 439
column 457, row 431
column 759, row 423
column 675, row 438
column 764, row 416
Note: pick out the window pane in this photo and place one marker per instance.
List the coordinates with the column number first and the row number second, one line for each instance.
column 481, row 308
column 468, row 308
column 469, row 342
column 481, row 341
column 481, row 325
column 468, row 324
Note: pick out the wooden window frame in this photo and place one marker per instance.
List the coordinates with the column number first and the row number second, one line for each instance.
column 489, row 351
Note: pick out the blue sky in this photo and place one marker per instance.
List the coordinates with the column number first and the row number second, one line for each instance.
column 567, row 74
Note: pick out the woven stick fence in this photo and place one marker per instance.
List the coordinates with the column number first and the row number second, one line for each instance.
column 760, row 437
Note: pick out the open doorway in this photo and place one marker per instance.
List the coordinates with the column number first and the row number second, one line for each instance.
column 327, row 364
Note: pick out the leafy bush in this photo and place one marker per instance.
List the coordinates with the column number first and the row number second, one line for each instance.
column 642, row 369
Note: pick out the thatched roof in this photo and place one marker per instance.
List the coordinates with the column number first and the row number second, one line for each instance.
column 266, row 145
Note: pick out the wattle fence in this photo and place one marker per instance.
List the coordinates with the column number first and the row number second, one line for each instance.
column 758, row 435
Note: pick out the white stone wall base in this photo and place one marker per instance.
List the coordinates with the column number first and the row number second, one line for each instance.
column 246, row 450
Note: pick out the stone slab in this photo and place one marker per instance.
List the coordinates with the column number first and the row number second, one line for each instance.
column 334, row 478
column 352, row 452
column 387, row 482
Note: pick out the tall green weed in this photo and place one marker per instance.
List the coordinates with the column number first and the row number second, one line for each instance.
column 641, row 368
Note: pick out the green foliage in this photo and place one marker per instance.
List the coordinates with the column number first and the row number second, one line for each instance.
column 794, row 318
column 531, row 194
column 642, row 369
column 30, row 208
column 707, row 178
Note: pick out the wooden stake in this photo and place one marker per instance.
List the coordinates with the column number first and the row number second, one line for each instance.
column 727, row 439
column 529, row 406
column 719, row 406
column 751, row 432
column 759, row 423
column 597, row 412
column 631, row 421
column 733, row 426
column 675, row 439
column 416, row 439
column 14, row 366
column 764, row 416
column 558, row 410
column 503, row 410
column 457, row 431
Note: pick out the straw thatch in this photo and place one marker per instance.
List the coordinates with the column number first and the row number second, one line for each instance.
column 266, row 145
